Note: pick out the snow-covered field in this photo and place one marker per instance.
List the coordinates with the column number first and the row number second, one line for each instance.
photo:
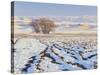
column 49, row 54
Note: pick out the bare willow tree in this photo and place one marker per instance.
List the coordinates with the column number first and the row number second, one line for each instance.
column 35, row 25
column 46, row 25
column 43, row 25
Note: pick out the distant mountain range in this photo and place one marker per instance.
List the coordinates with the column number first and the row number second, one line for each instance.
column 64, row 24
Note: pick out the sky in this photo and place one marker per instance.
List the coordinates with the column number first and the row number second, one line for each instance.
column 47, row 9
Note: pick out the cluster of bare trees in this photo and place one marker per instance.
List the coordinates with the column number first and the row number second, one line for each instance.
column 43, row 25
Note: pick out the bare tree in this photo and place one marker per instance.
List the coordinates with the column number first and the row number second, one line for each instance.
column 35, row 25
column 46, row 25
column 43, row 25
